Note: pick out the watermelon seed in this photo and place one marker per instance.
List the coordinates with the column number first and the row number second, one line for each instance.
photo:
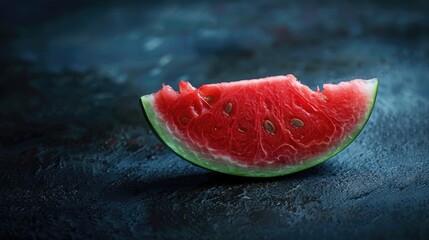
column 324, row 97
column 269, row 126
column 297, row 122
column 184, row 119
column 228, row 108
column 208, row 98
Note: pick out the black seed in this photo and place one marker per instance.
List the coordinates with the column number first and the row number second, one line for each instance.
column 297, row 122
column 184, row 119
column 269, row 126
column 324, row 97
column 228, row 108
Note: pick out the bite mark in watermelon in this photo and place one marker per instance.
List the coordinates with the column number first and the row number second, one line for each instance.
column 262, row 127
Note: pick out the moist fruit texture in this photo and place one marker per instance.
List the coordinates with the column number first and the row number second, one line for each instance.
column 260, row 128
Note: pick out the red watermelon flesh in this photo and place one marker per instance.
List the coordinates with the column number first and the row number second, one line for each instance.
column 263, row 125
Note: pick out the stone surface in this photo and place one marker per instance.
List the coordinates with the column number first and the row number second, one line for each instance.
column 78, row 160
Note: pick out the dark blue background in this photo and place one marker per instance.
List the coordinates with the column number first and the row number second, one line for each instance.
column 78, row 161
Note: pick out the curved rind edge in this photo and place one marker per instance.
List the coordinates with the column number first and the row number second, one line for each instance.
column 177, row 147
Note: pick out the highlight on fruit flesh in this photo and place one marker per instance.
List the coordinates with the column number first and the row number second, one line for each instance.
column 262, row 127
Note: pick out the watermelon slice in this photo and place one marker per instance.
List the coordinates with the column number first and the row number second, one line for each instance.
column 260, row 128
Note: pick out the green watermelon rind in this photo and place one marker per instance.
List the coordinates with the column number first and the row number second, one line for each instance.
column 184, row 152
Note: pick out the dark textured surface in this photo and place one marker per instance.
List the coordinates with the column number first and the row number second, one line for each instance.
column 78, row 160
